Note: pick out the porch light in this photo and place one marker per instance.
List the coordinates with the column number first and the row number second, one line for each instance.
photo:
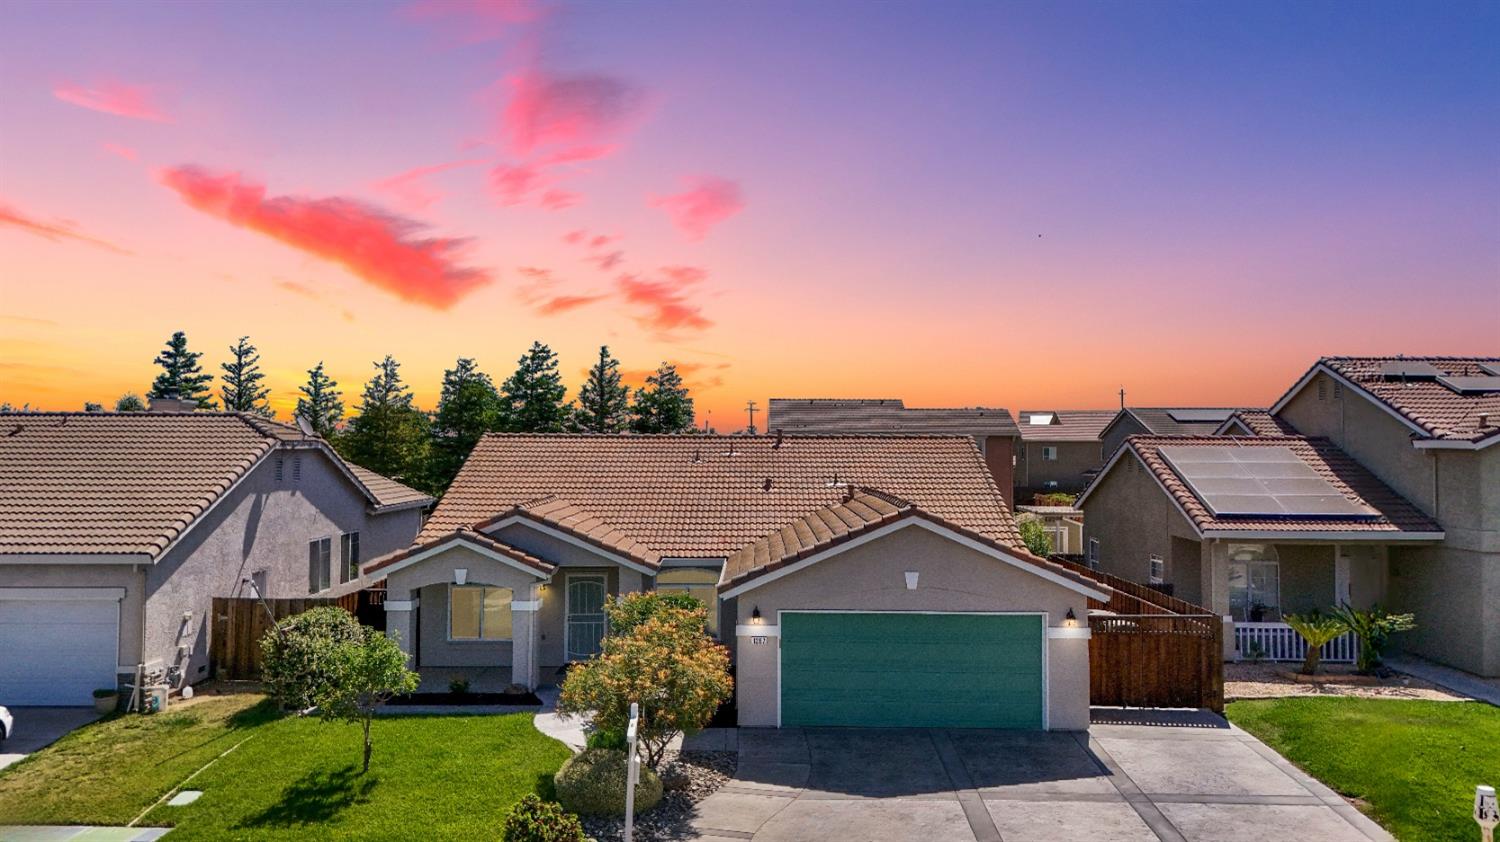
column 1070, row 619
column 755, row 615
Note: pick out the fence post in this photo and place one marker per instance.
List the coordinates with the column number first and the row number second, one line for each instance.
column 632, row 770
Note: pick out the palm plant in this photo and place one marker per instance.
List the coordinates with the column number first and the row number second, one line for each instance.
column 1316, row 629
column 1374, row 627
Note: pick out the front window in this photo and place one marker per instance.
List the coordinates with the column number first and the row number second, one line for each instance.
column 698, row 582
column 478, row 612
column 1254, row 583
column 318, row 571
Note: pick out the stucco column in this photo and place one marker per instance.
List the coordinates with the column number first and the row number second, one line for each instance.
column 525, row 607
column 400, row 621
column 1068, row 677
column 756, row 645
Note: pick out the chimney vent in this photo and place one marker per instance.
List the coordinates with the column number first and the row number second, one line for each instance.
column 172, row 403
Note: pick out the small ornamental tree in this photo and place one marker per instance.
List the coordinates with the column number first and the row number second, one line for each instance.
column 1316, row 629
column 363, row 674
column 665, row 661
column 1374, row 627
column 298, row 654
column 1035, row 536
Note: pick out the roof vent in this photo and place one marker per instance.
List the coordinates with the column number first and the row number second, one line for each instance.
column 766, row 486
column 698, row 454
column 776, row 445
column 172, row 403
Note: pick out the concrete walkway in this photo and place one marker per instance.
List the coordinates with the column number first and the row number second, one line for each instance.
column 81, row 833
column 1481, row 689
column 1121, row 782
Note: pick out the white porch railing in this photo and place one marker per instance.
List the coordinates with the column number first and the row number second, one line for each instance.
column 1277, row 642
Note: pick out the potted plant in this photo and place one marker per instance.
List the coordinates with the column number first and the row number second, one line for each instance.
column 106, row 699
column 1258, row 613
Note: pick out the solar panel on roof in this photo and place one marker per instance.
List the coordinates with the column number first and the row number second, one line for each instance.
column 1409, row 370
column 1474, row 385
column 1261, row 481
column 1200, row 416
column 1490, row 368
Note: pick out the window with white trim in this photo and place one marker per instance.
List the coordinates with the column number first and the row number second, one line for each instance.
column 479, row 612
column 1158, row 571
column 319, row 570
column 1093, row 555
column 1049, row 453
column 1254, row 583
column 349, row 556
column 700, row 583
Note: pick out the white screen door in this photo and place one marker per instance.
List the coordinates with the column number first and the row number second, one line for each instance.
column 585, row 616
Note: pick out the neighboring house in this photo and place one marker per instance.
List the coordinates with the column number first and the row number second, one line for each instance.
column 1254, row 422
column 1429, row 427
column 858, row 580
column 1059, row 450
column 1160, row 421
column 117, row 530
column 1252, row 528
column 1063, row 525
column 993, row 430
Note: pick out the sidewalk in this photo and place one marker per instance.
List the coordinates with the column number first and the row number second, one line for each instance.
column 56, row 833
column 1482, row 689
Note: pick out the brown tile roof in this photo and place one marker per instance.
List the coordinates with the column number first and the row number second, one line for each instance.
column 1179, row 420
column 1260, row 422
column 387, row 492
column 560, row 514
column 492, row 544
column 857, row 513
column 1395, row 514
column 1067, row 424
column 887, row 415
column 707, row 496
column 1439, row 410
column 106, row 483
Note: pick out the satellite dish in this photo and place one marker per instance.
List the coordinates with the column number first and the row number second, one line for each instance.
column 305, row 426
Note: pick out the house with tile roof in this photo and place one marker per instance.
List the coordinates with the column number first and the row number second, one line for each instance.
column 1059, row 451
column 1160, row 421
column 1408, row 442
column 993, row 429
column 118, row 529
column 857, row 579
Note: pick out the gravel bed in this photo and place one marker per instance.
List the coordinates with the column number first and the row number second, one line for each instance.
column 1265, row 681
column 689, row 777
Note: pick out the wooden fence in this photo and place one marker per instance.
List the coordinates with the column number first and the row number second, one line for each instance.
column 1157, row 660
column 1131, row 597
column 240, row 623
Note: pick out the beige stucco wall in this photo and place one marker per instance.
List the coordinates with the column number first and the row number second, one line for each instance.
column 1453, row 587
column 1133, row 518
column 1073, row 459
column 1115, row 434
column 952, row 577
column 130, row 577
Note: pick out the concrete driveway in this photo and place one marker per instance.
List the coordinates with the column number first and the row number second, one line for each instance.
column 1120, row 782
column 37, row 728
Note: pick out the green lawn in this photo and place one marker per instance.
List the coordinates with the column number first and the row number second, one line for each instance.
column 432, row 777
column 1413, row 765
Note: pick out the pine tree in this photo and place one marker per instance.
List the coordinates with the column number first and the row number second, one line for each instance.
column 531, row 401
column 241, row 389
column 389, row 435
column 468, row 408
column 321, row 402
column 181, row 376
column 663, row 405
column 130, row 402
column 603, row 401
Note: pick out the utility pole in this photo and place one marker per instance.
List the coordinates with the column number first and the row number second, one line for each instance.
column 750, row 408
column 1122, row 397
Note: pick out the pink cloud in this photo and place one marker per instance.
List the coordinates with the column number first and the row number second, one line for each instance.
column 556, row 199
column 125, row 152
column 573, row 238
column 410, row 190
column 57, row 231
column 539, row 293
column 380, row 248
column 114, row 98
column 476, row 21
column 706, row 202
column 608, row 261
column 578, row 112
column 567, row 303
column 663, row 302
column 514, row 183
column 299, row 289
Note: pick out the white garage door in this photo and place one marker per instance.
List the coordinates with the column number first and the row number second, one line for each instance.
column 57, row 650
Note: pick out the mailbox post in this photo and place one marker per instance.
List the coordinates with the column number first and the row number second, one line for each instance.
column 632, row 770
column 1486, row 811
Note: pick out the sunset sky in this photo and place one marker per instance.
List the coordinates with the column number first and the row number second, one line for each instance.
column 1025, row 205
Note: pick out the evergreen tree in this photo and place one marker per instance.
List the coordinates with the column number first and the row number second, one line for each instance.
column 241, row 389
column 90, row 406
column 468, row 408
column 130, row 402
column 531, row 401
column 603, row 401
column 181, row 376
column 321, row 402
column 663, row 405
column 389, row 435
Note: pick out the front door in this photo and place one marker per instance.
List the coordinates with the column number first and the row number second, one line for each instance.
column 585, row 616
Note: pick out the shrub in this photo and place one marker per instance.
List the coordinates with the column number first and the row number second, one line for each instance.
column 1035, row 536
column 1374, row 627
column 1053, row 498
column 535, row 820
column 667, row 663
column 606, row 739
column 593, row 783
column 458, row 686
column 298, row 652
column 1317, row 629
column 628, row 612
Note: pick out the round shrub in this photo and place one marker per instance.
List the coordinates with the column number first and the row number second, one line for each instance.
column 535, row 820
column 593, row 783
column 298, row 653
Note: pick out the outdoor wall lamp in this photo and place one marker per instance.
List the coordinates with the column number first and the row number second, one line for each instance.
column 755, row 615
column 1070, row 619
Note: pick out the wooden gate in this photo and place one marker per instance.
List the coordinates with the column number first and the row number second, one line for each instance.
column 240, row 623
column 1157, row 660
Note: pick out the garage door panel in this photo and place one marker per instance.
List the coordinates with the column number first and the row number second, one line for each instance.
column 57, row 652
column 895, row 669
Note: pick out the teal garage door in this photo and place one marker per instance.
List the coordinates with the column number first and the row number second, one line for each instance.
column 894, row 670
